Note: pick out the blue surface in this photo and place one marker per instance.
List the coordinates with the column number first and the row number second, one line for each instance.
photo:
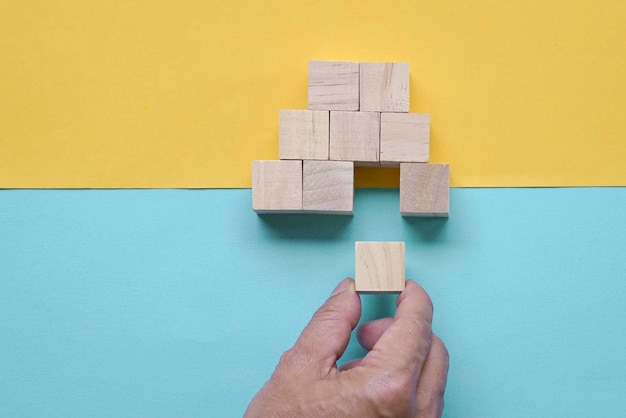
column 167, row 303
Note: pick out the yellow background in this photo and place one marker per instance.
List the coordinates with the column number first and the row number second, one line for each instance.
column 186, row 93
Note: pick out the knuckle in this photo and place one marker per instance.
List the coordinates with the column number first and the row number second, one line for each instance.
column 423, row 329
column 430, row 396
column 441, row 352
column 419, row 329
column 290, row 361
column 392, row 394
column 329, row 312
column 429, row 404
column 286, row 358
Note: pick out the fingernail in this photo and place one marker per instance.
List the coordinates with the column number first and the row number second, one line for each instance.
column 344, row 285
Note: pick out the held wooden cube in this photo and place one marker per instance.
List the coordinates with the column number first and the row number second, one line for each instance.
column 355, row 136
column 404, row 137
column 424, row 189
column 379, row 266
column 384, row 87
column 328, row 187
column 333, row 85
column 303, row 134
column 277, row 186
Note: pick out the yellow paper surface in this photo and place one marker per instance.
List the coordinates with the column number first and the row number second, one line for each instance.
column 185, row 94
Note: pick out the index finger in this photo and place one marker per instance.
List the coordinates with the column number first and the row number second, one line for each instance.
column 405, row 344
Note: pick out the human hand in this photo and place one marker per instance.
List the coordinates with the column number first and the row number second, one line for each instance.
column 402, row 375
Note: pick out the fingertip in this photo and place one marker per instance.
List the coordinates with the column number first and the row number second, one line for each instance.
column 368, row 333
column 345, row 295
column 417, row 293
column 346, row 285
column 413, row 286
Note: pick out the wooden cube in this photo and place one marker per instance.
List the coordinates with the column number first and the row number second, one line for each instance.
column 404, row 137
column 379, row 267
column 355, row 136
column 424, row 189
column 328, row 187
column 333, row 85
column 277, row 186
column 303, row 134
column 384, row 87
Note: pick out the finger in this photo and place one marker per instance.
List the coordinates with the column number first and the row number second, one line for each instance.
column 370, row 332
column 432, row 382
column 405, row 344
column 326, row 336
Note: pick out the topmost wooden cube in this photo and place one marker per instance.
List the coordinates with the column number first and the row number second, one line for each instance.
column 384, row 87
column 333, row 85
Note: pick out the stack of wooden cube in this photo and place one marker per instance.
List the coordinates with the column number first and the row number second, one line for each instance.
column 358, row 114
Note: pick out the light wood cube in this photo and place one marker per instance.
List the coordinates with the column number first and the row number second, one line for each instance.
column 328, row 187
column 424, row 189
column 384, row 87
column 277, row 186
column 303, row 134
column 355, row 136
column 379, row 266
column 333, row 85
column 404, row 137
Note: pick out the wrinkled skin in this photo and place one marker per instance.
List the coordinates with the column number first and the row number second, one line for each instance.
column 402, row 375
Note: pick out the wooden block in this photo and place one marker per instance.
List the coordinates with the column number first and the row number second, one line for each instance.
column 277, row 186
column 355, row 136
column 333, row 85
column 303, row 134
column 424, row 189
column 379, row 266
column 384, row 87
column 328, row 187
column 404, row 137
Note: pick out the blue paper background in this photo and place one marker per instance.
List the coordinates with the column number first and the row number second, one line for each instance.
column 168, row 303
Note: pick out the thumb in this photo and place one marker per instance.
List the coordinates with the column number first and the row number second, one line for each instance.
column 326, row 336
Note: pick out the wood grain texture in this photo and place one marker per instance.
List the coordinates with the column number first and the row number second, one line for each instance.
column 303, row 134
column 424, row 189
column 404, row 137
column 333, row 85
column 384, row 87
column 277, row 186
column 379, row 266
column 328, row 187
column 355, row 136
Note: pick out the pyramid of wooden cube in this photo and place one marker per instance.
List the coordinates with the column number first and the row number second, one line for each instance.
column 358, row 115
column 328, row 187
column 277, row 186
column 303, row 134
column 424, row 189
column 379, row 266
